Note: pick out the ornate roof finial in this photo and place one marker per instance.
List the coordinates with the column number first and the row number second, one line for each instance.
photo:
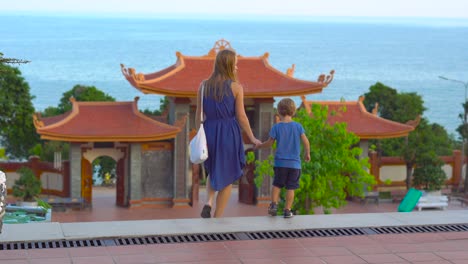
column 376, row 108
column 219, row 45
column 290, row 71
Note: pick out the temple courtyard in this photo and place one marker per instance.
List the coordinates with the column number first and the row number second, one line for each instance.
column 357, row 233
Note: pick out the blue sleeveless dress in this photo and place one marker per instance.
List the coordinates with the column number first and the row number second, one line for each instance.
column 226, row 157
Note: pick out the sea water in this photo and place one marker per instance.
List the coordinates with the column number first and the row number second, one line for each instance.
column 406, row 55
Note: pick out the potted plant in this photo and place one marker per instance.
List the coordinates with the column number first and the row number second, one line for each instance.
column 429, row 175
column 27, row 187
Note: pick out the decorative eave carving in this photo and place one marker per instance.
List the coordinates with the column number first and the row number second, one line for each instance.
column 131, row 73
column 326, row 79
column 414, row 123
column 36, row 119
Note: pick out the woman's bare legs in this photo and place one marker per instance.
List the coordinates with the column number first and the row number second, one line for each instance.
column 206, row 210
column 210, row 193
column 221, row 200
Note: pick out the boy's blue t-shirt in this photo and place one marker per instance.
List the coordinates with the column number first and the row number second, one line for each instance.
column 288, row 144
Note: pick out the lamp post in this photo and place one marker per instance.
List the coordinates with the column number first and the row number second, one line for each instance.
column 465, row 84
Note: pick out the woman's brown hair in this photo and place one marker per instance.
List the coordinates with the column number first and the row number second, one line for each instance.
column 224, row 69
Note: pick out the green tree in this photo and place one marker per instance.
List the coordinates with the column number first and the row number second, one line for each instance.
column 163, row 104
column 462, row 129
column 106, row 165
column 403, row 107
column 399, row 107
column 429, row 174
column 81, row 93
column 17, row 131
column 335, row 170
column 4, row 60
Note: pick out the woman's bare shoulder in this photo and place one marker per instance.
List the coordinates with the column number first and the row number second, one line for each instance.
column 236, row 87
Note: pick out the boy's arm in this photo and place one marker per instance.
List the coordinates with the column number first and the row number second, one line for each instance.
column 267, row 143
column 305, row 142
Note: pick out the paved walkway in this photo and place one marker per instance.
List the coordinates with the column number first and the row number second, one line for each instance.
column 440, row 247
column 104, row 209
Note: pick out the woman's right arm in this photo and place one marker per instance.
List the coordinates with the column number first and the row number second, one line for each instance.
column 238, row 92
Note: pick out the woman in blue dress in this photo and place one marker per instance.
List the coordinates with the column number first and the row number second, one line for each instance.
column 223, row 106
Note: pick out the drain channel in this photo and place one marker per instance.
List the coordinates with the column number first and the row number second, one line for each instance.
column 194, row 238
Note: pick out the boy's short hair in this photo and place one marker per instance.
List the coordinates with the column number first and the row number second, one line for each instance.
column 286, row 107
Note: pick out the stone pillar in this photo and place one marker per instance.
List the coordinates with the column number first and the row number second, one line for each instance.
column 75, row 170
column 135, row 173
column 457, row 168
column 182, row 177
column 375, row 166
column 263, row 121
column 364, row 145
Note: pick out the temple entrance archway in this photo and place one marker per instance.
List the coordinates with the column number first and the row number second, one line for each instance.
column 118, row 155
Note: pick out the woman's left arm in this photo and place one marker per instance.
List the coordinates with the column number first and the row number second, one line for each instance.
column 197, row 113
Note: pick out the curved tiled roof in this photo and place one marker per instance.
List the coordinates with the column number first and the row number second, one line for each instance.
column 257, row 76
column 104, row 122
column 362, row 123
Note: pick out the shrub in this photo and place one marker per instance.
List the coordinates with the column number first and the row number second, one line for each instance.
column 429, row 174
column 28, row 186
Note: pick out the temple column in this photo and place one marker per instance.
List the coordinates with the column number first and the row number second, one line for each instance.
column 75, row 170
column 180, row 108
column 263, row 120
column 135, row 174
column 364, row 145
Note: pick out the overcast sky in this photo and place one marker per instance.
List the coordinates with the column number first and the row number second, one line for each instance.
column 366, row 8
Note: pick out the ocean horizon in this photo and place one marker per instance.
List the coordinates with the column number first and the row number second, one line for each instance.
column 407, row 54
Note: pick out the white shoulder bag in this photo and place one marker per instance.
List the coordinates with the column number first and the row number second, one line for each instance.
column 198, row 147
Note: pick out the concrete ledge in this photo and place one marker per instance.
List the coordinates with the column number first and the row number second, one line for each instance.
column 90, row 230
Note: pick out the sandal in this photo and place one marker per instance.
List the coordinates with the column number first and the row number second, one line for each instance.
column 206, row 211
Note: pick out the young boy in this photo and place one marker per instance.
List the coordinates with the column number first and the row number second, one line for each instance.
column 288, row 135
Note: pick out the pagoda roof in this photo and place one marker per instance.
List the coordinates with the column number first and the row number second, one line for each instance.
column 257, row 76
column 104, row 122
column 362, row 123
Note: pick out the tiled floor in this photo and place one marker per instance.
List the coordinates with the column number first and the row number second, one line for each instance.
column 400, row 248
column 104, row 209
column 415, row 248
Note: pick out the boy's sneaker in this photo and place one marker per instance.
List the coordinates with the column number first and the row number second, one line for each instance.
column 288, row 213
column 273, row 209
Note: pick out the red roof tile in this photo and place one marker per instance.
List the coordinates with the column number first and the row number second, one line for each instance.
column 362, row 123
column 104, row 121
column 258, row 77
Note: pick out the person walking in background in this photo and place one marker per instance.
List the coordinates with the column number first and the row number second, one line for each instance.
column 223, row 106
column 288, row 135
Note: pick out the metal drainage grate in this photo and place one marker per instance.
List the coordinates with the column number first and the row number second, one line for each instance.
column 177, row 239
column 306, row 233
column 420, row 229
column 217, row 237
column 52, row 244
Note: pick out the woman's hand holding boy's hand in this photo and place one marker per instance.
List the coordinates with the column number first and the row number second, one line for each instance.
column 256, row 142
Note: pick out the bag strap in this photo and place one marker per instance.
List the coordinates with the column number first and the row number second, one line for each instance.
column 201, row 112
